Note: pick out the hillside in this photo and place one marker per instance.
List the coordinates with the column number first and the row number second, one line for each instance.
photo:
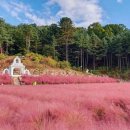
column 38, row 64
column 98, row 47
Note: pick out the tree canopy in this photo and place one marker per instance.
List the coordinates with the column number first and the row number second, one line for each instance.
column 96, row 46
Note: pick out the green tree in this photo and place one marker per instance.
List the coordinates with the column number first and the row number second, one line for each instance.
column 66, row 28
column 97, row 29
column 82, row 40
column 2, row 33
column 96, row 49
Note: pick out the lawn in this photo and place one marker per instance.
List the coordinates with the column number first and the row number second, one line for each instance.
column 94, row 106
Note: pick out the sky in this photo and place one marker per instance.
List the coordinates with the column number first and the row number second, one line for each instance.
column 82, row 12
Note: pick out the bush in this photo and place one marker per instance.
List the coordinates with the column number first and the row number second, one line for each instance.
column 18, row 54
column 125, row 75
column 2, row 56
column 49, row 61
column 34, row 57
column 64, row 64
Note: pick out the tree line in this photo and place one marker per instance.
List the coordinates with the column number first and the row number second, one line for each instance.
column 93, row 47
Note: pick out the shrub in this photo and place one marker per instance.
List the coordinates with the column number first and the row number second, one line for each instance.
column 2, row 56
column 34, row 57
column 18, row 54
column 64, row 64
column 125, row 75
column 49, row 61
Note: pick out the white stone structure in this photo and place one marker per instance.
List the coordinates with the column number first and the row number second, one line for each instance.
column 16, row 69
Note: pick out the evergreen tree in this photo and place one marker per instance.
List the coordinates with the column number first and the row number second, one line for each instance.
column 66, row 29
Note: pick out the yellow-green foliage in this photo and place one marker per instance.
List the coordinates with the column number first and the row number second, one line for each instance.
column 64, row 64
column 34, row 57
column 49, row 61
column 2, row 56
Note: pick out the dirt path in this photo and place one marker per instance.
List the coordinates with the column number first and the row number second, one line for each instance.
column 16, row 81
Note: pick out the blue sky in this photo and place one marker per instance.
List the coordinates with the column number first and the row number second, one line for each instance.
column 82, row 12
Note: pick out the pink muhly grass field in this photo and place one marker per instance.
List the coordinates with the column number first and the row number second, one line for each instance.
column 65, row 107
column 49, row 79
column 5, row 79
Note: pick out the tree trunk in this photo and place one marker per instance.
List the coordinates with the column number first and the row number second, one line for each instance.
column 86, row 61
column 119, row 62
column 66, row 47
column 104, row 61
column 78, row 60
column 26, row 40
column 94, row 62
column 107, row 61
column 28, row 43
column 83, row 61
column 111, row 60
column 1, row 49
column 127, row 64
column 7, row 51
column 36, row 48
column 54, row 52
column 81, row 58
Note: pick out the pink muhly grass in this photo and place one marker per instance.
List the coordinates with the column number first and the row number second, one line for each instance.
column 66, row 107
column 48, row 79
column 6, row 126
column 5, row 79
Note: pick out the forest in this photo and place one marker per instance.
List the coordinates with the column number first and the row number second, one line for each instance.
column 95, row 48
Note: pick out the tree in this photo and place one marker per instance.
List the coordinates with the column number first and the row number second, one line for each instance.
column 2, row 33
column 115, row 29
column 96, row 49
column 54, row 43
column 82, row 40
column 48, row 50
column 66, row 29
column 53, row 34
column 44, row 37
column 5, row 36
column 28, row 35
column 97, row 29
column 8, row 38
column 96, row 46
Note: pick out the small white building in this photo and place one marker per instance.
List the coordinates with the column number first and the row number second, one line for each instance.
column 16, row 69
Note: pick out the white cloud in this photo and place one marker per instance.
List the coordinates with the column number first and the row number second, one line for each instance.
column 22, row 12
column 82, row 12
column 119, row 1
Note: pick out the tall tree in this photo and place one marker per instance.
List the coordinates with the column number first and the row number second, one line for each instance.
column 81, row 38
column 28, row 35
column 97, row 29
column 2, row 33
column 96, row 49
column 54, row 44
column 66, row 28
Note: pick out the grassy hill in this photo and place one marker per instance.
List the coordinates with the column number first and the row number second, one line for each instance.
column 38, row 64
